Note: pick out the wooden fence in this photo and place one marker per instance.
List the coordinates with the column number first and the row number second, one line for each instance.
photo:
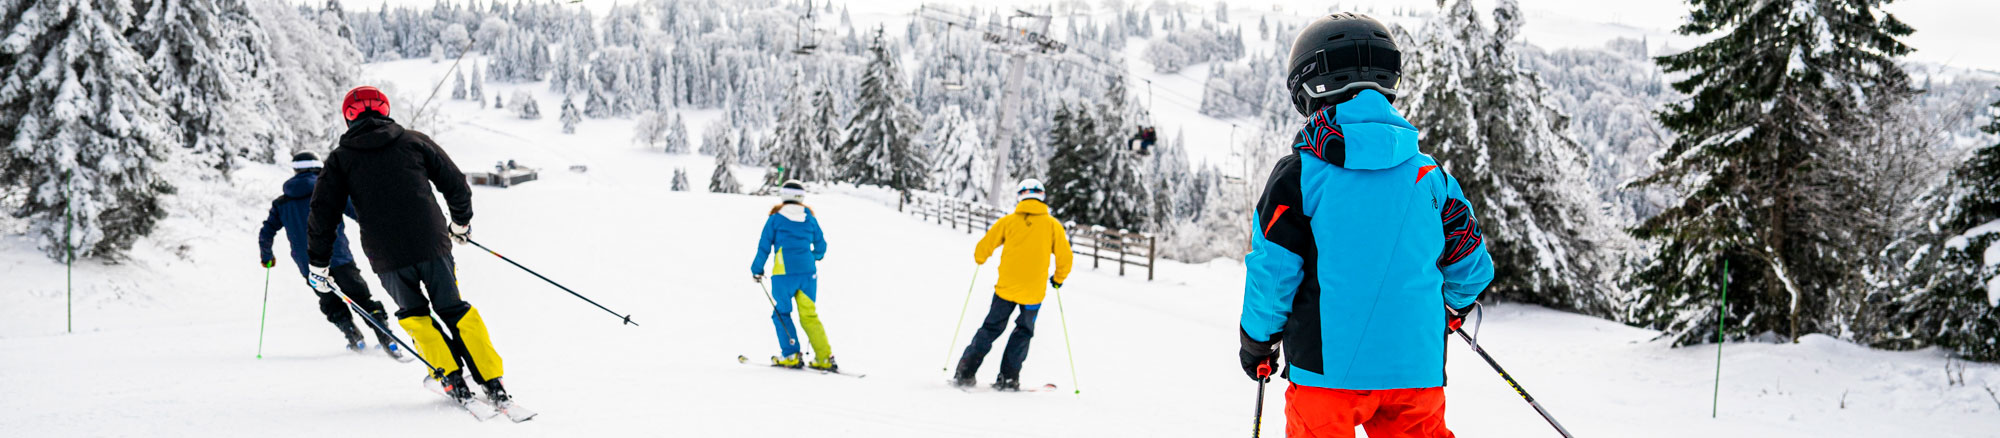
column 1100, row 244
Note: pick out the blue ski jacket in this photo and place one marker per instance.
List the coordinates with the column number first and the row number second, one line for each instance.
column 289, row 212
column 1360, row 244
column 794, row 233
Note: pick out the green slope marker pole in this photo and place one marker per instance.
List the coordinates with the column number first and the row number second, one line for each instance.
column 69, row 254
column 261, row 313
column 1714, row 404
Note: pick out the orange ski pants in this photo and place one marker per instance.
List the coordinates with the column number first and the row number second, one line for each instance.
column 1312, row 412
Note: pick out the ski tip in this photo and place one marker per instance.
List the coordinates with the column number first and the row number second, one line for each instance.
column 742, row 359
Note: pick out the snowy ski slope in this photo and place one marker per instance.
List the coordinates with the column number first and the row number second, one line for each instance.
column 165, row 342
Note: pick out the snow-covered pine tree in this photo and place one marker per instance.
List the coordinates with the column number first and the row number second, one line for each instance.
column 880, row 147
column 724, row 180
column 1073, row 183
column 676, row 140
column 1125, row 199
column 962, row 167
column 498, row 103
column 525, row 106
column 476, row 91
column 201, row 55
column 1949, row 299
column 794, row 149
column 84, row 126
column 570, row 116
column 680, row 183
column 1780, row 87
column 717, row 137
column 748, row 150
column 1487, row 121
column 458, row 87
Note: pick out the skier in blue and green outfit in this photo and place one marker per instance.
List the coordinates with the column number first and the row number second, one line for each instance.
column 794, row 233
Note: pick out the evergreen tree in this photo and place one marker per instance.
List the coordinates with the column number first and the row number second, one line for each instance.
column 1949, row 300
column 1072, row 181
column 458, row 87
column 680, row 183
column 794, row 149
column 963, row 165
column 677, row 136
column 476, row 92
column 1779, row 90
column 84, row 130
column 201, row 57
column 1487, row 121
column 879, row 148
column 525, row 106
column 724, row 180
column 570, row 116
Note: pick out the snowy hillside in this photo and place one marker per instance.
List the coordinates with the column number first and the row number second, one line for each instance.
column 166, row 342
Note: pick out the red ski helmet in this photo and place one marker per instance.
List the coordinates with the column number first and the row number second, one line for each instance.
column 363, row 99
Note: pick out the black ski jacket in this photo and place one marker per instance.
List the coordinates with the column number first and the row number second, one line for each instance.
column 388, row 173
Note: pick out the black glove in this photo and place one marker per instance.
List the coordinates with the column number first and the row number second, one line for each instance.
column 1053, row 282
column 1260, row 359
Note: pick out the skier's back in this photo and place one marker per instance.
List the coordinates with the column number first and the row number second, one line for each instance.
column 1361, row 244
column 388, row 172
column 1029, row 237
column 793, row 232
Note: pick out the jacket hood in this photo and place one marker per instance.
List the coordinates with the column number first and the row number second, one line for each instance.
column 301, row 185
column 1364, row 133
column 794, row 212
column 371, row 132
column 1033, row 207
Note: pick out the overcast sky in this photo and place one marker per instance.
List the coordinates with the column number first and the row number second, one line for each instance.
column 1955, row 32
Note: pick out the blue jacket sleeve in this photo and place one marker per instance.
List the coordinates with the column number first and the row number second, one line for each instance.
column 764, row 242
column 1466, row 265
column 819, row 239
column 269, row 232
column 1280, row 242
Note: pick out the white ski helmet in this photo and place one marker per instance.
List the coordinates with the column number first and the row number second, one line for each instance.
column 793, row 191
column 1029, row 189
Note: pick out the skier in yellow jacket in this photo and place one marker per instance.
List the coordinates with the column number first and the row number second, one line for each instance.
column 1031, row 236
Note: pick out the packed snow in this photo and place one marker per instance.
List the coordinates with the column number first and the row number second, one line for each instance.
column 165, row 343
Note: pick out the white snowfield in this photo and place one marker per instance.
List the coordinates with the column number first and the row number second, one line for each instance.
column 166, row 343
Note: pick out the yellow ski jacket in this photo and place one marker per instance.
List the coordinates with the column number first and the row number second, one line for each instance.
column 1030, row 236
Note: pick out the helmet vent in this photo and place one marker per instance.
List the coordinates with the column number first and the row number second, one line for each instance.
column 1337, row 37
column 1381, row 35
column 1340, row 78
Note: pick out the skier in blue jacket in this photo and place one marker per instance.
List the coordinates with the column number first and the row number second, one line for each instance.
column 793, row 232
column 1362, row 248
column 288, row 212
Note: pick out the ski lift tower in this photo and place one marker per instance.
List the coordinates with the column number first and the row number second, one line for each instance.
column 1018, row 42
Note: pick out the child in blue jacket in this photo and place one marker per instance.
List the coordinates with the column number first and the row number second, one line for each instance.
column 793, row 232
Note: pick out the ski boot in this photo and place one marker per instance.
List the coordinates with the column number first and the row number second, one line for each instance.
column 384, row 339
column 454, row 387
column 794, row 361
column 354, row 342
column 1007, row 383
column 394, row 351
column 824, row 364
column 963, row 379
column 495, row 392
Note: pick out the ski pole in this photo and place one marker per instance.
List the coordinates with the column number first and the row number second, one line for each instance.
column 1263, row 377
column 961, row 317
column 627, row 318
column 1509, row 378
column 436, row 372
column 261, row 313
column 1062, row 314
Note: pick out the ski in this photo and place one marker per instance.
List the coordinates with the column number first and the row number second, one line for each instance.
column 480, row 411
column 975, row 389
column 746, row 361
column 514, row 411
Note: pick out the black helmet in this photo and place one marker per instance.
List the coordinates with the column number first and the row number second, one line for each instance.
column 1339, row 55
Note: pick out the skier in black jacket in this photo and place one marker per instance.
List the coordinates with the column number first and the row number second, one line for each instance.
column 387, row 172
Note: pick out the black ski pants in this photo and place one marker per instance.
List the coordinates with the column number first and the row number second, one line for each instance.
column 348, row 278
column 431, row 288
column 989, row 331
